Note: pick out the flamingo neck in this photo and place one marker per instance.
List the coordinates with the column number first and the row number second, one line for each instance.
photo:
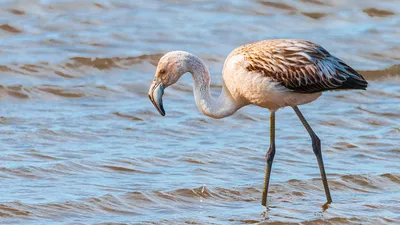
column 217, row 108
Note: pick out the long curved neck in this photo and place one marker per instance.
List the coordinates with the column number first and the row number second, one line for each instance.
column 220, row 107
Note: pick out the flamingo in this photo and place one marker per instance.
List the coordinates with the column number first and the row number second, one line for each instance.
column 272, row 74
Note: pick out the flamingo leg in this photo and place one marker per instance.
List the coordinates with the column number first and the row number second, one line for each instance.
column 269, row 157
column 316, row 144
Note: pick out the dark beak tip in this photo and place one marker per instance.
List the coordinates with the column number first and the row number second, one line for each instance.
column 162, row 111
column 158, row 103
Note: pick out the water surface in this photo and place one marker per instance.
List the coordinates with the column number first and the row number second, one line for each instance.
column 82, row 144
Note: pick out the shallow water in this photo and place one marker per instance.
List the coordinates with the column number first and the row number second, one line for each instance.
column 81, row 142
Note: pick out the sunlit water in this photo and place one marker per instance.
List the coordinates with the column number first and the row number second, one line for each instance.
column 81, row 142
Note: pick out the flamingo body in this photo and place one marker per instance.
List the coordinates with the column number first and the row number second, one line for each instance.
column 279, row 73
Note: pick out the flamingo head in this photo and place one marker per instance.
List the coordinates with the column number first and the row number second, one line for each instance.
column 169, row 69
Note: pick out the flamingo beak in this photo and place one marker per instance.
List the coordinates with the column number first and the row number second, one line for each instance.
column 155, row 94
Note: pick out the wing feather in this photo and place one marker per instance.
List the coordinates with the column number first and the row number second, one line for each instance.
column 300, row 66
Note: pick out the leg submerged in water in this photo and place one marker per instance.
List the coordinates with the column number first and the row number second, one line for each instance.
column 269, row 158
column 316, row 144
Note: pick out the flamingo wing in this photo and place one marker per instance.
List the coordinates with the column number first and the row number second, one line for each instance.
column 301, row 66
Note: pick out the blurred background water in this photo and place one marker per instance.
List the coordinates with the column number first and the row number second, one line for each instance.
column 82, row 144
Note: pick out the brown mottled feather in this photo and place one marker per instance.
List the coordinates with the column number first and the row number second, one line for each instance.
column 300, row 66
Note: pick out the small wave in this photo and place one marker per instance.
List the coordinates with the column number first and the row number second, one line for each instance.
column 52, row 91
column 221, row 194
column 127, row 170
column 393, row 177
column 51, row 170
column 377, row 74
column 315, row 2
column 383, row 114
column 125, row 204
column 62, row 92
column 112, row 204
column 43, row 156
column 113, row 62
column 314, row 15
column 333, row 221
column 63, row 74
column 16, row 91
column 11, row 211
column 9, row 28
column 98, row 63
column 366, row 183
column 278, row 5
column 25, row 172
column 5, row 69
column 188, row 195
column 127, row 116
column 17, row 12
column 191, row 160
column 373, row 12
